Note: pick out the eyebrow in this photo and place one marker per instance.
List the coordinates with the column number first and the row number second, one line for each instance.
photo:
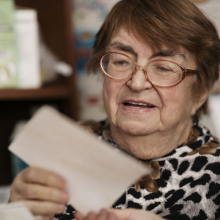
column 169, row 53
column 162, row 53
column 123, row 47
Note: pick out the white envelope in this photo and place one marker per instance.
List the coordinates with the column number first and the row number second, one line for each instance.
column 97, row 174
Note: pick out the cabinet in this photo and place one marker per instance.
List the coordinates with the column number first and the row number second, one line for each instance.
column 54, row 17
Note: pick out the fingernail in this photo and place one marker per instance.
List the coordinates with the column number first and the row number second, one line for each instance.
column 102, row 214
column 91, row 216
column 112, row 216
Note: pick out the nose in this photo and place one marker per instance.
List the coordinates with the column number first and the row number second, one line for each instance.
column 139, row 81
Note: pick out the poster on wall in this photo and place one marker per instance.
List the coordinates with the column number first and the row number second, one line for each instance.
column 88, row 17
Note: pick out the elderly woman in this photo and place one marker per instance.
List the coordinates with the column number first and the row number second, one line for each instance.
column 160, row 60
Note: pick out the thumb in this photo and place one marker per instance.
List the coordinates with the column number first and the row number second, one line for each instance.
column 134, row 214
column 78, row 215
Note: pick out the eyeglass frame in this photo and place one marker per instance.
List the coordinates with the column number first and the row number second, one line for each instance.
column 185, row 71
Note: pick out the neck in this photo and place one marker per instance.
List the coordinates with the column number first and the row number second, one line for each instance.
column 154, row 145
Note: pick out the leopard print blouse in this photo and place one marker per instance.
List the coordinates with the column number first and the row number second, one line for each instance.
column 184, row 185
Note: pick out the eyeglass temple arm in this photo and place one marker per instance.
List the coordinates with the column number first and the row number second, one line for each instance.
column 188, row 71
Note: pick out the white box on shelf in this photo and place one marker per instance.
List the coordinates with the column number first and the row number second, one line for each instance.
column 28, row 48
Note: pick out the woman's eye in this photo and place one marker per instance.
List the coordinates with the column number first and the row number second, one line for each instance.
column 120, row 62
column 164, row 69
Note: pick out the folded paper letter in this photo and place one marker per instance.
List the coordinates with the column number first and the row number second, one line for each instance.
column 15, row 211
column 96, row 173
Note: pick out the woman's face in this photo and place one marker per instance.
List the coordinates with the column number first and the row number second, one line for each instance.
column 136, row 107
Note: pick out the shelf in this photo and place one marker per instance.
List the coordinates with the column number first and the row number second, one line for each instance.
column 53, row 91
column 55, row 22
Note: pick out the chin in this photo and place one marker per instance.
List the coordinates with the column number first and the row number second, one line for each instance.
column 135, row 128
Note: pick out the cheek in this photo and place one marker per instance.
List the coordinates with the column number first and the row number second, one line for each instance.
column 111, row 92
column 177, row 102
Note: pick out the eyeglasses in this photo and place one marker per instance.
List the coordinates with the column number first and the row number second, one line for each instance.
column 161, row 73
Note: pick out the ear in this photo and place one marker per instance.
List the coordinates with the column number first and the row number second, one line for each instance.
column 200, row 100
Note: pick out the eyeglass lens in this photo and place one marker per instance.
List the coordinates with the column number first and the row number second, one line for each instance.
column 160, row 72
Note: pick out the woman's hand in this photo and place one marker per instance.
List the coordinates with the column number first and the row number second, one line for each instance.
column 117, row 214
column 42, row 191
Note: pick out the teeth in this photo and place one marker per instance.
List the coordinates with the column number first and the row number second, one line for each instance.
column 135, row 103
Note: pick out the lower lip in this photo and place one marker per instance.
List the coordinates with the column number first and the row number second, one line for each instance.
column 137, row 109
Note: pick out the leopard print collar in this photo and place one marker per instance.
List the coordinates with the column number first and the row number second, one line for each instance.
column 199, row 141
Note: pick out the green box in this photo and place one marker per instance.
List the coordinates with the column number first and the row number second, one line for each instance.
column 8, row 48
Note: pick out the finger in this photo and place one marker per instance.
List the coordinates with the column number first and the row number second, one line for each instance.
column 121, row 214
column 39, row 217
column 50, row 217
column 41, row 176
column 34, row 191
column 91, row 216
column 103, row 215
column 78, row 215
column 134, row 214
column 45, row 208
column 112, row 216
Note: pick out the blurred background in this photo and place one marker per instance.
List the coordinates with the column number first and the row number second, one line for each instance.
column 44, row 48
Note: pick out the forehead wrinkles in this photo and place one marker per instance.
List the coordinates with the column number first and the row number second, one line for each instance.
column 120, row 43
column 128, row 42
column 125, row 30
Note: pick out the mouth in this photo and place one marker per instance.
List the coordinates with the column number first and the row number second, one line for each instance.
column 139, row 105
